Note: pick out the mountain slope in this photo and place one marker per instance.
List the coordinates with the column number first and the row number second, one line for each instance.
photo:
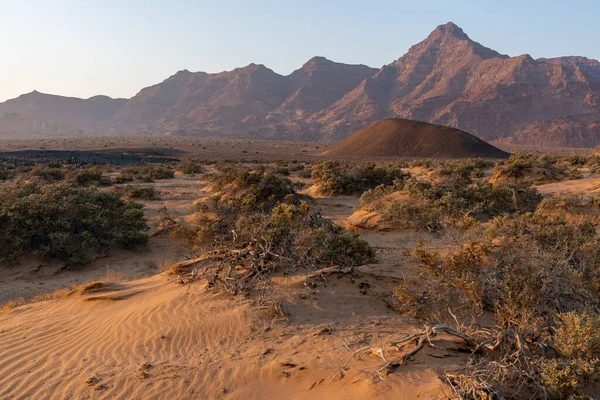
column 84, row 113
column 16, row 125
column 447, row 79
column 245, row 98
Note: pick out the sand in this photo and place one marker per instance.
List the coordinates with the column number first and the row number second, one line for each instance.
column 152, row 338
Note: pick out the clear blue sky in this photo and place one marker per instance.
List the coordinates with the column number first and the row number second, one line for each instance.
column 116, row 47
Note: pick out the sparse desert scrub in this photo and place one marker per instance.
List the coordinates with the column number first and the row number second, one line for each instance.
column 149, row 173
column 140, row 193
column 461, row 171
column 89, row 176
column 527, row 167
column 66, row 222
column 190, row 168
column 48, row 174
column 336, row 178
column 430, row 205
column 546, row 344
column 240, row 188
column 258, row 227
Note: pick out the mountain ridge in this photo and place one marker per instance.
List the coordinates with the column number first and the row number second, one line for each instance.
column 447, row 79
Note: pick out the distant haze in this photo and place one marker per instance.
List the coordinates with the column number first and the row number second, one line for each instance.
column 115, row 47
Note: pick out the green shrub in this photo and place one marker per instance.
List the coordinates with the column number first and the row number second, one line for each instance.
column 89, row 176
column 140, row 193
column 300, row 234
column 461, row 171
column 48, row 174
column 427, row 205
column 123, row 178
column 335, row 178
column 191, row 168
column 64, row 222
column 241, row 189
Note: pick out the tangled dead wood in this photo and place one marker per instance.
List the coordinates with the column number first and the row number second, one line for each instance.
column 467, row 383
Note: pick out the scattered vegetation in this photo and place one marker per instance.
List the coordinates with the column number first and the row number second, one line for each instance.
column 66, row 222
column 430, row 206
column 547, row 342
column 260, row 227
column 528, row 168
column 140, row 193
column 335, row 178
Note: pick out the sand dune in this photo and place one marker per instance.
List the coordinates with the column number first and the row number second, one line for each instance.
column 152, row 338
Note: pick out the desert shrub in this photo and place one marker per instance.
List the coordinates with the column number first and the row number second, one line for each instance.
column 191, row 168
column 91, row 176
column 296, row 166
column 333, row 178
column 372, row 175
column 154, row 172
column 462, row 171
column 300, row 234
column 576, row 160
column 48, row 174
column 427, row 205
column 578, row 335
column 282, row 170
column 336, row 178
column 518, row 256
column 140, row 193
column 149, row 173
column 65, row 222
column 422, row 163
column 305, row 172
column 538, row 277
column 242, row 189
column 422, row 216
column 577, row 365
column 6, row 174
column 569, row 378
column 123, row 178
column 527, row 166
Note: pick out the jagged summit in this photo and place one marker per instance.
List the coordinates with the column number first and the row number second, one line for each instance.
column 450, row 29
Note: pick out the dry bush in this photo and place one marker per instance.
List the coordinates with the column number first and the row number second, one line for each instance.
column 191, row 168
column 260, row 227
column 88, row 176
column 526, row 168
column 432, row 205
column 461, row 171
column 537, row 274
column 336, row 178
column 140, row 193
column 66, row 222
column 149, row 173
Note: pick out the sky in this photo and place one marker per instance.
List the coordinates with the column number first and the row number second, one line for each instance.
column 83, row 48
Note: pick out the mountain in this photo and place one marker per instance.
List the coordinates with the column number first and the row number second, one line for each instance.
column 244, row 99
column 451, row 80
column 16, row 126
column 393, row 137
column 447, row 79
column 84, row 113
